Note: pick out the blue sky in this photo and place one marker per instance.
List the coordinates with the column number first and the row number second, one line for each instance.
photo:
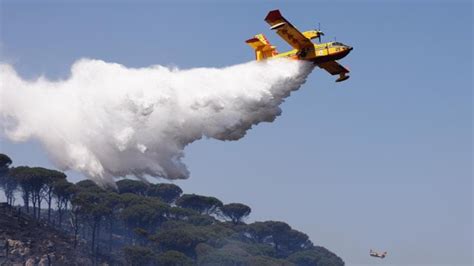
column 383, row 160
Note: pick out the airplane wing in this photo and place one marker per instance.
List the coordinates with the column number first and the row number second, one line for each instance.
column 334, row 68
column 287, row 31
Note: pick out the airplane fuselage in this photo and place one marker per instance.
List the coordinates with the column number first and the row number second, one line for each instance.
column 377, row 254
column 322, row 52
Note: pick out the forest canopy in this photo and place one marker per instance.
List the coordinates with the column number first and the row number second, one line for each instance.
column 139, row 223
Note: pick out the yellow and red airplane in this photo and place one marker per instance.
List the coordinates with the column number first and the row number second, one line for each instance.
column 324, row 55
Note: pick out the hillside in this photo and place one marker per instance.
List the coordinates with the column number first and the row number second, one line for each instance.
column 26, row 241
column 137, row 223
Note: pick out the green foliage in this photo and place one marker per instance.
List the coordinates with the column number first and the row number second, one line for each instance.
column 128, row 199
column 132, row 186
column 31, row 179
column 53, row 176
column 5, row 161
column 280, row 235
column 224, row 257
column 305, row 258
column 141, row 232
column 183, row 239
column 9, row 184
column 177, row 213
column 145, row 215
column 63, row 188
column 139, row 256
column 161, row 232
column 92, row 204
column 166, row 192
column 235, row 211
column 173, row 258
column 217, row 234
column 113, row 201
column 256, row 249
column 202, row 204
column 315, row 256
column 268, row 261
column 172, row 224
column 202, row 249
column 88, row 185
column 235, row 254
column 201, row 220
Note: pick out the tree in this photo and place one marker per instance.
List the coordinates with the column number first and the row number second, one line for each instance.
column 139, row 256
column 37, row 177
column 88, row 185
column 202, row 204
column 19, row 173
column 279, row 234
column 5, row 161
column 62, row 192
column 51, row 178
column 114, row 202
column 91, row 207
column 177, row 213
column 166, row 192
column 76, row 213
column 235, row 211
column 315, row 256
column 187, row 233
column 173, row 258
column 268, row 261
column 227, row 255
column 261, row 231
column 32, row 182
column 201, row 220
column 132, row 186
column 9, row 185
column 147, row 215
column 291, row 241
column 183, row 239
column 95, row 209
column 128, row 199
column 7, row 182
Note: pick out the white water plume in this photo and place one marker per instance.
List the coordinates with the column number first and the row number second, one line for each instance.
column 107, row 120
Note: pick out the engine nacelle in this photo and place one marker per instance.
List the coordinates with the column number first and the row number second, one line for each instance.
column 311, row 34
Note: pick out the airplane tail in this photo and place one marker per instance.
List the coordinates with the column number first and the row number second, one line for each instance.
column 263, row 48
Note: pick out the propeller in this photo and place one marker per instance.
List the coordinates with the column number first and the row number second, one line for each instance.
column 320, row 33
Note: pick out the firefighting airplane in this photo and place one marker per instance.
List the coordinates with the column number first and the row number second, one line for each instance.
column 324, row 55
column 378, row 254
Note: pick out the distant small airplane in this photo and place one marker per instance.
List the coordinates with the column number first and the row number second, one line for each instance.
column 378, row 254
column 324, row 55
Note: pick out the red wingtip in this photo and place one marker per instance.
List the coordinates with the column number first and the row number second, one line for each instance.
column 251, row 40
column 273, row 15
